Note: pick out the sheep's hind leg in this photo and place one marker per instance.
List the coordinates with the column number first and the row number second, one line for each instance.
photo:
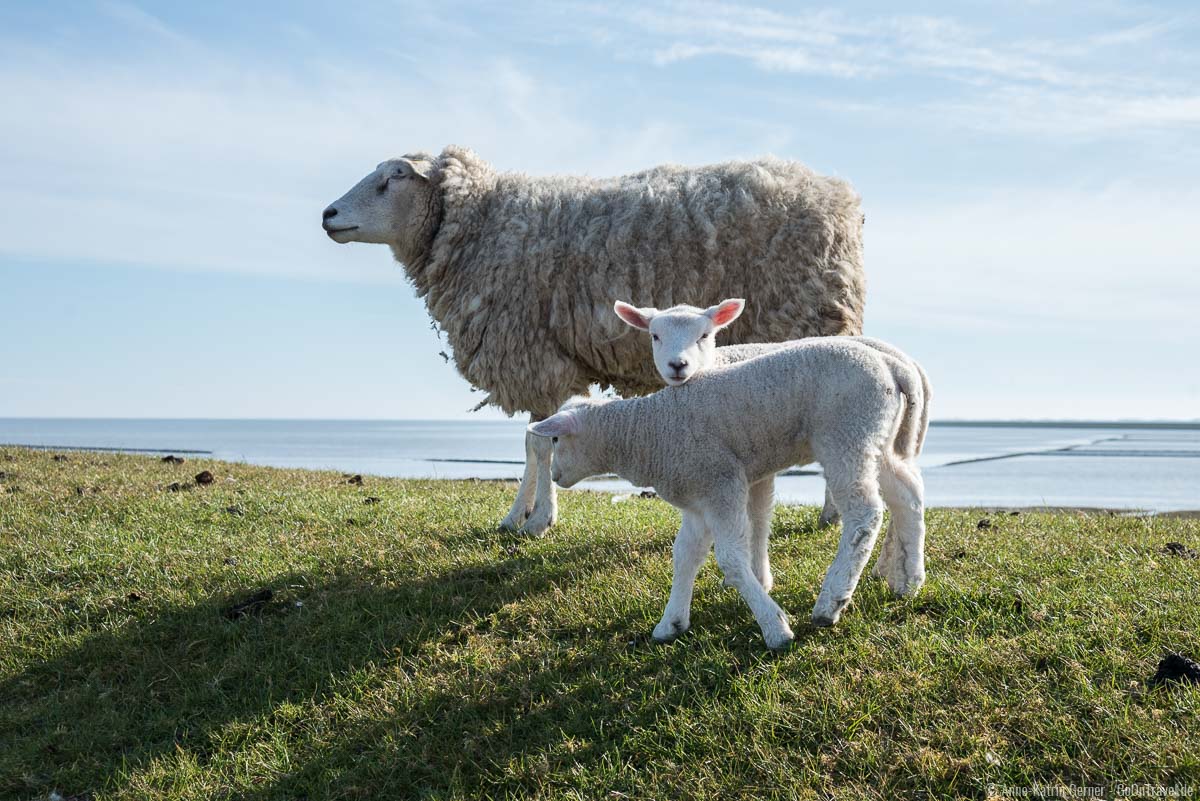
column 691, row 547
column 545, row 505
column 855, row 485
column 522, row 506
column 730, row 526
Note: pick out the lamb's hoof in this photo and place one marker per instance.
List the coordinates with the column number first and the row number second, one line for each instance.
column 906, row 585
column 536, row 526
column 780, row 640
column 668, row 631
column 823, row 622
column 828, row 519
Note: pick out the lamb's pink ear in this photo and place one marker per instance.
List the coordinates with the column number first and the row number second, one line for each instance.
column 557, row 425
column 638, row 318
column 725, row 312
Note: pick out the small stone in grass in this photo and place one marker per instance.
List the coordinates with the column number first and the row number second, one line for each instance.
column 1180, row 550
column 174, row 486
column 959, row 554
column 984, row 523
column 3, row 475
column 134, row 596
column 204, row 477
column 236, row 511
column 355, row 479
column 371, row 499
column 251, row 605
column 171, row 458
column 229, row 560
column 60, row 458
column 1176, row 668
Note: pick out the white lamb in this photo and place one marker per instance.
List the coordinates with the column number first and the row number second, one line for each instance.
column 706, row 444
column 683, row 342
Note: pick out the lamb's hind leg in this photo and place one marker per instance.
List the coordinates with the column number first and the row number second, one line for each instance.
column 904, row 492
column 855, row 485
column 523, row 504
column 545, row 505
column 829, row 512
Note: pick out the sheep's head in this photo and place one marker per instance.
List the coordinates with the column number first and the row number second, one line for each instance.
column 575, row 456
column 682, row 337
column 391, row 206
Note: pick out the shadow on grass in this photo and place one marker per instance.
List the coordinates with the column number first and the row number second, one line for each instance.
column 173, row 678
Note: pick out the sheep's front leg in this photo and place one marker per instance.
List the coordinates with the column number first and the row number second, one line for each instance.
column 857, row 490
column 545, row 505
column 691, row 547
column 523, row 504
column 761, row 506
column 731, row 538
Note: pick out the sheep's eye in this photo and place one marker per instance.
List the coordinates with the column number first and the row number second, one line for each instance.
column 554, row 439
column 654, row 337
column 703, row 337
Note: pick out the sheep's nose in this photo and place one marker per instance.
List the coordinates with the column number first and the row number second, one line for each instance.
column 677, row 365
column 329, row 213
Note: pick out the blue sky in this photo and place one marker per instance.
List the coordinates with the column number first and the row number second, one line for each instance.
column 1030, row 174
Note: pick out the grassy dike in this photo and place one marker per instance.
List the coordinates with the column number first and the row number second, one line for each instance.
column 411, row 651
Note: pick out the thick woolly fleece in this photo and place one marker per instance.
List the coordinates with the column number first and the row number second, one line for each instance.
column 522, row 272
column 705, row 444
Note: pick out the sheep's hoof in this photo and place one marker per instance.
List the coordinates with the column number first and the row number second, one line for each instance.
column 780, row 640
column 830, row 519
column 823, row 622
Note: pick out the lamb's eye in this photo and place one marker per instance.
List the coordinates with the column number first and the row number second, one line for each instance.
column 554, row 439
column 703, row 337
column 654, row 337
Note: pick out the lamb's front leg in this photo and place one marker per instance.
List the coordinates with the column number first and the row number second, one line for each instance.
column 691, row 547
column 523, row 504
column 545, row 505
column 760, row 508
column 731, row 537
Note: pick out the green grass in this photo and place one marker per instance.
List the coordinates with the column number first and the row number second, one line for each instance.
column 412, row 651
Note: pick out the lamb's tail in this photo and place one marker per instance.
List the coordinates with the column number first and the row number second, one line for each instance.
column 912, row 382
column 926, row 399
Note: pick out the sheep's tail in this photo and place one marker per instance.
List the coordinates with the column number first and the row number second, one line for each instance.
column 926, row 399
column 911, row 382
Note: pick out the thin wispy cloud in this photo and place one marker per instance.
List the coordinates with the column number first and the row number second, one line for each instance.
column 1026, row 77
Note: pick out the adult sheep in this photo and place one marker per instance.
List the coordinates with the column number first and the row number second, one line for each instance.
column 521, row 272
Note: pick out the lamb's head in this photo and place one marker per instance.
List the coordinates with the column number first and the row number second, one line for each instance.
column 577, row 455
column 391, row 206
column 682, row 337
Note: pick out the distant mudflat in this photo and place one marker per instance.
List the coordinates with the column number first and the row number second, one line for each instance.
column 1118, row 465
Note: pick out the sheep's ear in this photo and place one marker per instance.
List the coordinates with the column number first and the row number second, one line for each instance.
column 557, row 425
column 638, row 318
column 725, row 312
column 421, row 165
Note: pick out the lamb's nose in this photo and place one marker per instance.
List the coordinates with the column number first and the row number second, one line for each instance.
column 329, row 213
column 677, row 366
